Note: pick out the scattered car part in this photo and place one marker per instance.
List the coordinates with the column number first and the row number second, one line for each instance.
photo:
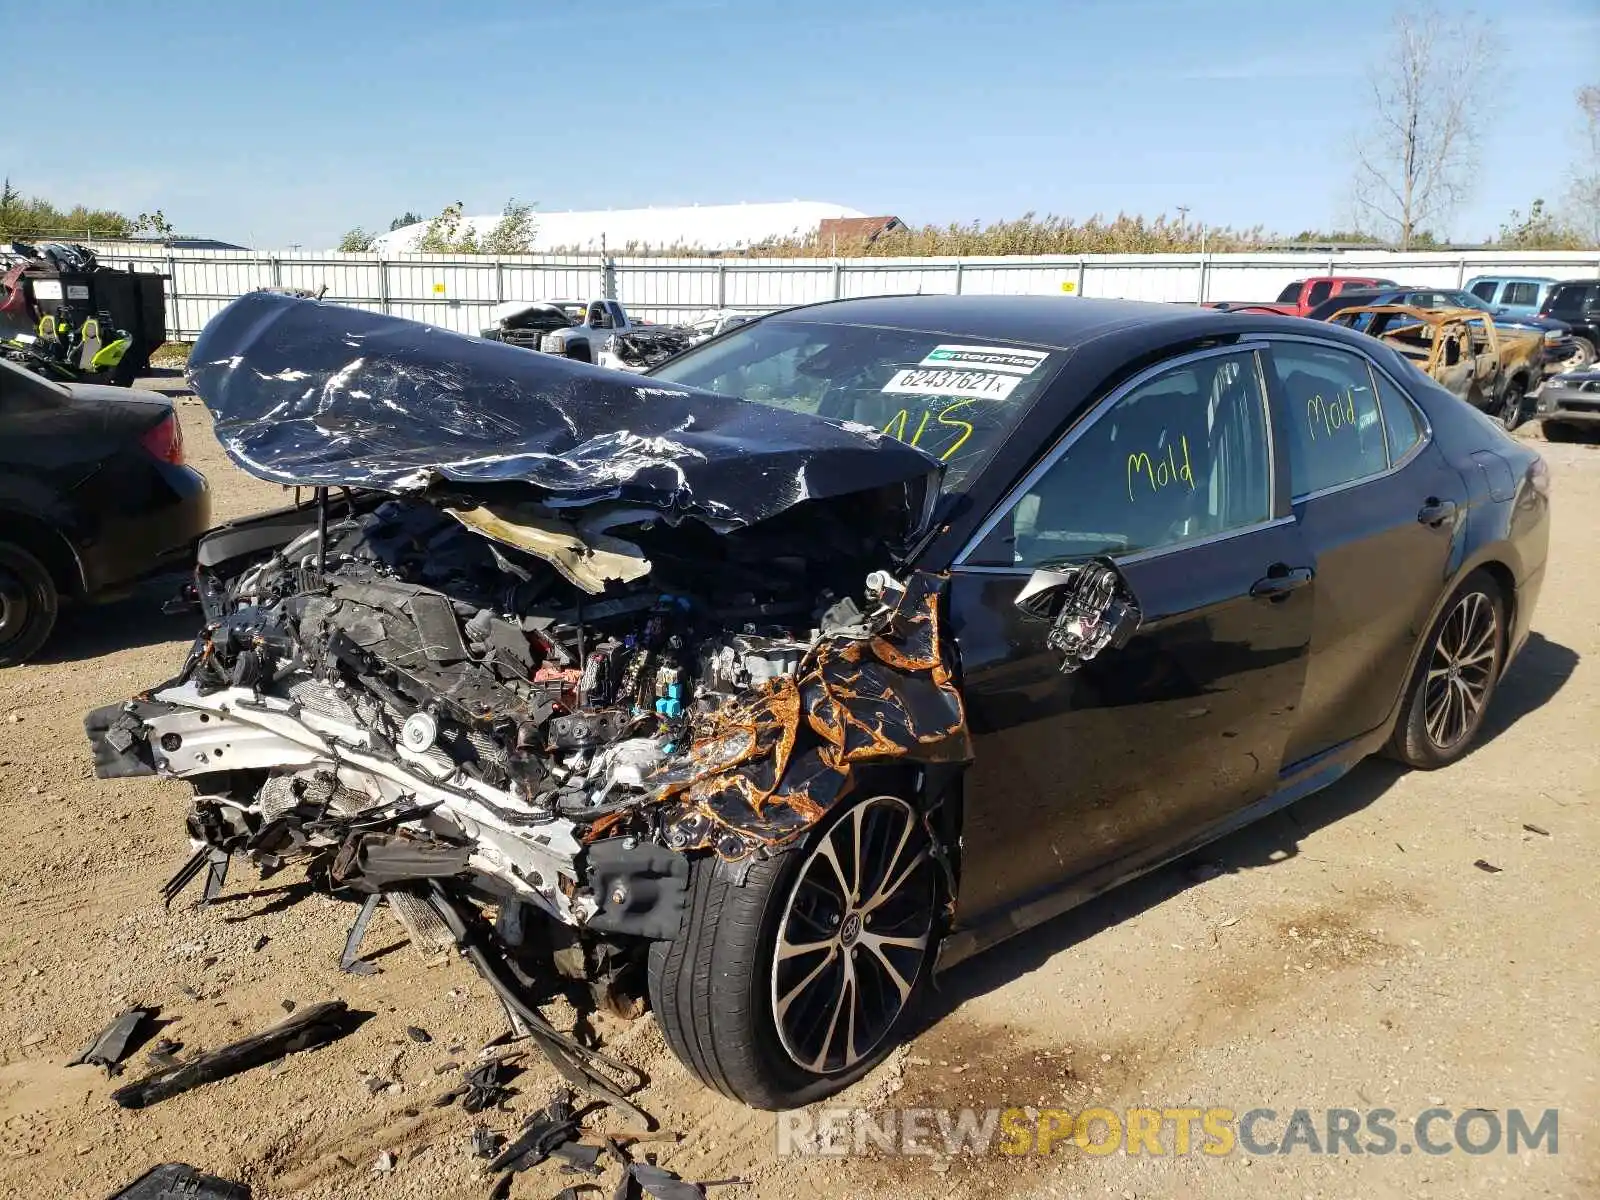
column 305, row 1030
column 643, row 349
column 179, row 1181
column 112, row 1045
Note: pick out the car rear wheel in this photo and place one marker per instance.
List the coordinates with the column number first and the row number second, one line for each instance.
column 1455, row 677
column 1584, row 354
column 28, row 604
column 789, row 984
column 1511, row 405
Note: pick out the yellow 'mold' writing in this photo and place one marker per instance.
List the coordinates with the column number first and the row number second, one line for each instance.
column 1341, row 414
column 1160, row 472
column 896, row 428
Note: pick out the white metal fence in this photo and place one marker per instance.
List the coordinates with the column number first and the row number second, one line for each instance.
column 457, row 291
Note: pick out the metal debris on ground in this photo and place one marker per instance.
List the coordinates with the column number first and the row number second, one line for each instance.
column 163, row 1055
column 1486, row 866
column 417, row 1034
column 485, row 1142
column 116, row 1041
column 1536, row 829
column 482, row 1087
column 312, row 1027
column 384, row 1164
column 179, row 1181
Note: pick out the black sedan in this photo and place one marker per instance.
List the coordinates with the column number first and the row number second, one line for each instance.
column 1332, row 556
column 93, row 496
column 595, row 650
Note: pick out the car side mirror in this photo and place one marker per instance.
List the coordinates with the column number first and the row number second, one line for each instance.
column 1089, row 606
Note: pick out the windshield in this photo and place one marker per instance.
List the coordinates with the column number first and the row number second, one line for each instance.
column 954, row 397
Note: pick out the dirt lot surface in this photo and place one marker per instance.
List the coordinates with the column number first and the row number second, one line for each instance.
column 1346, row 953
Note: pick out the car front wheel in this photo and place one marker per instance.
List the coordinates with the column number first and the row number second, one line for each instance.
column 1455, row 677
column 790, row 983
column 28, row 604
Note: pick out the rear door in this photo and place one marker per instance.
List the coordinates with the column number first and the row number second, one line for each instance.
column 1377, row 505
column 1079, row 777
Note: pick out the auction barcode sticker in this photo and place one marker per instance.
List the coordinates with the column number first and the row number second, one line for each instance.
column 942, row 381
column 1013, row 360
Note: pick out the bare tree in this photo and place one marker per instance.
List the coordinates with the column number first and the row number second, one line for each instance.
column 1583, row 197
column 1417, row 148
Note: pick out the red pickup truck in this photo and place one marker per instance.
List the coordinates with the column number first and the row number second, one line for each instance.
column 1301, row 296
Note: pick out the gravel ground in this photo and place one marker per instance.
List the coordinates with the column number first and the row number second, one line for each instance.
column 1345, row 953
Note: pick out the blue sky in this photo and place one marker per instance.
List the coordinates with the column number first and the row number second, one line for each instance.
column 293, row 120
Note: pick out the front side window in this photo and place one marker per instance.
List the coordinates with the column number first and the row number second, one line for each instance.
column 1331, row 414
column 1484, row 290
column 1183, row 455
column 955, row 397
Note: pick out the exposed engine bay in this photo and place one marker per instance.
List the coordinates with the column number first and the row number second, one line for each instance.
column 411, row 700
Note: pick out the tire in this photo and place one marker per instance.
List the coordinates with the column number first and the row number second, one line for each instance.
column 1557, row 431
column 1585, row 355
column 716, row 988
column 1438, row 720
column 579, row 352
column 28, row 605
column 1512, row 403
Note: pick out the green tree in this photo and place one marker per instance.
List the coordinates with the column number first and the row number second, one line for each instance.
column 1539, row 230
column 32, row 217
column 448, row 233
column 406, row 218
column 356, row 241
column 513, row 232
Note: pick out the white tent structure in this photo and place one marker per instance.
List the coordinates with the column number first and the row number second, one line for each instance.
column 701, row 227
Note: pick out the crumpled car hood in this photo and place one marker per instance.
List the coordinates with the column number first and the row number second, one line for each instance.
column 311, row 394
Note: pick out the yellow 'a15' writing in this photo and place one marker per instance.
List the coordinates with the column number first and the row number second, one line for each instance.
column 1161, row 471
column 896, row 427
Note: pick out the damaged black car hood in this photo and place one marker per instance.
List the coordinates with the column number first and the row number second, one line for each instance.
column 312, row 394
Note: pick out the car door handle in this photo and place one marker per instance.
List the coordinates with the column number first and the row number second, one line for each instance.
column 1436, row 512
column 1279, row 581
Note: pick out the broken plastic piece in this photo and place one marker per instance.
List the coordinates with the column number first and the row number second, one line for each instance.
column 179, row 1181
column 116, row 1041
column 309, row 1028
column 349, row 961
column 545, row 1131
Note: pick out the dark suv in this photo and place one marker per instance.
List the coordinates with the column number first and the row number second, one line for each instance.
column 1577, row 302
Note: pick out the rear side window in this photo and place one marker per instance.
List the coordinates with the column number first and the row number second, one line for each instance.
column 1484, row 290
column 1521, row 293
column 1319, row 291
column 1331, row 411
column 1569, row 298
column 1401, row 420
column 1290, row 294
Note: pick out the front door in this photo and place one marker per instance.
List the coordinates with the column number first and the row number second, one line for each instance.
column 1078, row 776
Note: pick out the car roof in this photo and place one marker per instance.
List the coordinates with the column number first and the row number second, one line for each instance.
column 1512, row 279
column 1057, row 322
